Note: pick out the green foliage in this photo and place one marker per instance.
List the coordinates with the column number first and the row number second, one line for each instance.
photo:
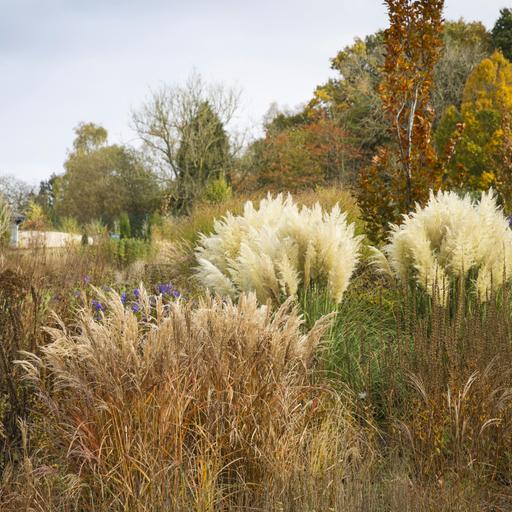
column 352, row 99
column 362, row 332
column 446, row 128
column 276, row 120
column 124, row 225
column 203, row 156
column 69, row 225
column 502, row 33
column 217, row 191
column 89, row 137
column 101, row 181
column 95, row 228
column 126, row 251
column 49, row 191
column 35, row 218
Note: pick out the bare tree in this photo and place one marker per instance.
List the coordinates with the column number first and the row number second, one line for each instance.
column 184, row 129
column 15, row 191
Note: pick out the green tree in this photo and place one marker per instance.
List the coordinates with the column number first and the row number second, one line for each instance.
column 446, row 128
column 101, row 181
column 46, row 197
column 89, row 137
column 276, row 120
column 125, row 229
column 203, row 156
column 502, row 33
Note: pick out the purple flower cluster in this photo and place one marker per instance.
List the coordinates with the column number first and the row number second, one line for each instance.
column 98, row 306
column 132, row 299
column 167, row 290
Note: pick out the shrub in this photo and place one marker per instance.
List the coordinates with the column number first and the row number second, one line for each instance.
column 126, row 251
column 95, row 229
column 70, row 225
column 36, row 219
column 125, row 229
column 453, row 239
column 195, row 408
column 217, row 191
column 188, row 228
column 278, row 251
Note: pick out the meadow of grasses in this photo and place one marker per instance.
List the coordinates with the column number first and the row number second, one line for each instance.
column 355, row 378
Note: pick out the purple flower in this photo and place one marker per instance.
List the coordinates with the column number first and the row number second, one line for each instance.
column 136, row 293
column 176, row 294
column 87, row 279
column 124, row 298
column 135, row 308
column 165, row 289
column 77, row 293
column 98, row 306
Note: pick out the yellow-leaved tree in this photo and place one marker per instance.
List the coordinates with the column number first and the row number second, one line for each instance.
column 485, row 117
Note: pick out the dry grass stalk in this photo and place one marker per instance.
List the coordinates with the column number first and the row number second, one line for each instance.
column 204, row 408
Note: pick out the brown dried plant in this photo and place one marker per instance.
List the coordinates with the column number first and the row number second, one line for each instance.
column 205, row 407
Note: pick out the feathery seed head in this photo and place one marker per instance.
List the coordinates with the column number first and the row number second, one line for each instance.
column 276, row 249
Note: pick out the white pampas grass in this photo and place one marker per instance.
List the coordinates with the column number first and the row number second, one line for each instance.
column 452, row 238
column 277, row 249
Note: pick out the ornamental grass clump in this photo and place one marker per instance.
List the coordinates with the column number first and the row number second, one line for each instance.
column 452, row 240
column 193, row 407
column 5, row 221
column 279, row 250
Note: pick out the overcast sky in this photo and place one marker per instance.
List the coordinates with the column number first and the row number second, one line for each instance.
column 66, row 61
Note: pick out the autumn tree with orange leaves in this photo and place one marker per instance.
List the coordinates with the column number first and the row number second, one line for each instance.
column 303, row 156
column 403, row 173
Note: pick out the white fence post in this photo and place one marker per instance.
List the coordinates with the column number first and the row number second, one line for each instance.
column 14, row 234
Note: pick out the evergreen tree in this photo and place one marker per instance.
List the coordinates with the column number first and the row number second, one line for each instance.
column 502, row 33
column 203, row 156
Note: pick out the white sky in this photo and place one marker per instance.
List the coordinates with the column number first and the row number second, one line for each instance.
column 67, row 61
